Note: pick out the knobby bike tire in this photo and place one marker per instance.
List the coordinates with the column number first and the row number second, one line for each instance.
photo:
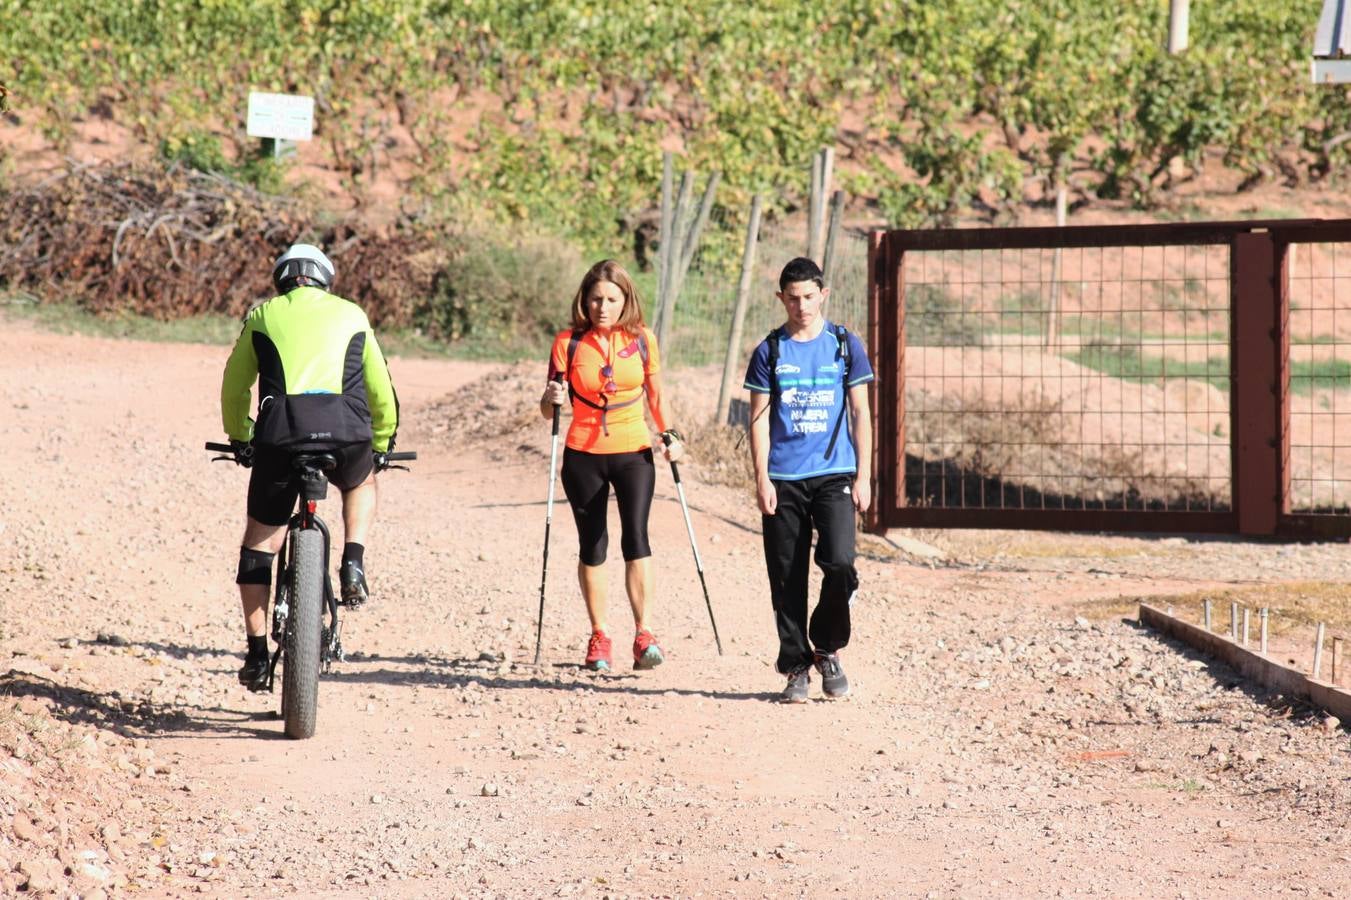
column 300, row 675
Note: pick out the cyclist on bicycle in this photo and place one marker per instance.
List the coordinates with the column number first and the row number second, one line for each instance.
column 323, row 384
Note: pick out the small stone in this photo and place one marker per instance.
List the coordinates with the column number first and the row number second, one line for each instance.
column 43, row 875
column 377, row 799
column 1331, row 724
column 489, row 790
column 24, row 829
column 1147, row 765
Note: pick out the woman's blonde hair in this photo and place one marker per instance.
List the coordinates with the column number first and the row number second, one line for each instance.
column 631, row 319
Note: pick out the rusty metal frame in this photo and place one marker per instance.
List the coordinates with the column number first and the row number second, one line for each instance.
column 1259, row 377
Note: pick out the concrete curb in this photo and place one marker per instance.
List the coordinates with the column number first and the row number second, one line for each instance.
column 1251, row 664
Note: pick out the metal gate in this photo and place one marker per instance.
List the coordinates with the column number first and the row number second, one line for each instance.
column 1191, row 377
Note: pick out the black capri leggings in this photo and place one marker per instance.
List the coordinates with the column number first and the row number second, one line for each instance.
column 586, row 481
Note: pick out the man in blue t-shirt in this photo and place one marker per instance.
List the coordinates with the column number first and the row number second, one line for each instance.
column 811, row 442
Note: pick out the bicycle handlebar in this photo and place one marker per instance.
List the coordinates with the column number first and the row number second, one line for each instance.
column 398, row 456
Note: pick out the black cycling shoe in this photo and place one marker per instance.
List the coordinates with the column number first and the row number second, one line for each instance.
column 254, row 673
column 353, row 580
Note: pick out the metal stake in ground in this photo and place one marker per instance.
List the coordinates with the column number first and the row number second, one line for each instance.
column 548, row 520
column 689, row 527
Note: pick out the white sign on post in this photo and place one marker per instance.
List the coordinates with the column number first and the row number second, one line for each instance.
column 282, row 117
column 1332, row 44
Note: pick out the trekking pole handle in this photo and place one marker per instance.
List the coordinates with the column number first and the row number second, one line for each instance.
column 557, row 379
column 675, row 470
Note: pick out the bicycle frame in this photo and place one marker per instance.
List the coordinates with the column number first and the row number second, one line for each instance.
column 313, row 488
column 310, row 470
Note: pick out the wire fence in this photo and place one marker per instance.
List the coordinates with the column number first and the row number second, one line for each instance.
column 702, row 323
column 1080, row 378
column 1319, row 326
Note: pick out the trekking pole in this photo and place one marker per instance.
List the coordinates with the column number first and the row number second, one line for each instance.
column 689, row 526
column 548, row 520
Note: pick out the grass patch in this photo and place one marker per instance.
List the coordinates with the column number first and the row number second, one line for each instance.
column 1129, row 364
column 70, row 318
column 1294, row 606
column 1099, row 328
column 1107, row 609
column 222, row 331
column 1320, row 374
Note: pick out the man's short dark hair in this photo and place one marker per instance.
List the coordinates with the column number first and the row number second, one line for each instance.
column 801, row 269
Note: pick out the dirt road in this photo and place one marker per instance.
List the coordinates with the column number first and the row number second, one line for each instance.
column 1002, row 740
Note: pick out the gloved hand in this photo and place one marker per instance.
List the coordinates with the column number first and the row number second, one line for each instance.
column 381, row 459
column 674, row 444
column 243, row 453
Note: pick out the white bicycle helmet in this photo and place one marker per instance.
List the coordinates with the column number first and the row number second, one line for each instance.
column 303, row 261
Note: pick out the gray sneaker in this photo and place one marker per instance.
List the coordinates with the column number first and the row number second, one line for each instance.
column 833, row 681
column 799, row 680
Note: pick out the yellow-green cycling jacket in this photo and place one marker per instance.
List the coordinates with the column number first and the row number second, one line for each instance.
column 322, row 379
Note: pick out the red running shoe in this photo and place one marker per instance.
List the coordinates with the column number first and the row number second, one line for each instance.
column 646, row 653
column 598, row 652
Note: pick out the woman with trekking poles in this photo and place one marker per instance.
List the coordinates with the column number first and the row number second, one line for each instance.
column 608, row 362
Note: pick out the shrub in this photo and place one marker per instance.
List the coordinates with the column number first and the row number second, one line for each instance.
column 503, row 289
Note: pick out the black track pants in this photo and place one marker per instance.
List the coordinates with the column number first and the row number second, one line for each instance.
column 827, row 503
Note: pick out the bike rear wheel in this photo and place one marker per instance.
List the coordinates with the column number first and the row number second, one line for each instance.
column 300, row 661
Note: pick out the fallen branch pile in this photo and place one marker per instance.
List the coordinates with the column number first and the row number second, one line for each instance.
column 173, row 242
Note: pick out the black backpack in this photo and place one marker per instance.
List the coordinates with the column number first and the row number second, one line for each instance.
column 841, row 353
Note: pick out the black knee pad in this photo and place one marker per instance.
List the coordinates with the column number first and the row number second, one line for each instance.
column 255, row 567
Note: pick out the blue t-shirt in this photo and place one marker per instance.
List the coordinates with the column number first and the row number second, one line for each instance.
column 811, row 399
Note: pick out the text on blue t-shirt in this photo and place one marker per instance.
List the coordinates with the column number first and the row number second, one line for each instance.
column 812, row 379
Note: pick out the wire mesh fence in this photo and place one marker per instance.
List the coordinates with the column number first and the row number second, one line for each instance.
column 1319, row 328
column 1078, row 378
column 702, row 321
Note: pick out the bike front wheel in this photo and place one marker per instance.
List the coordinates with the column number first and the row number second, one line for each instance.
column 300, row 661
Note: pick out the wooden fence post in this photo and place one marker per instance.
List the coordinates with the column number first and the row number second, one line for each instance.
column 730, row 365
column 667, row 300
column 833, row 235
column 664, row 237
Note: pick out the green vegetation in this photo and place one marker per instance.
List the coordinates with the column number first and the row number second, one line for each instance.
column 1320, row 374
column 1129, row 364
column 948, row 108
column 204, row 151
column 70, row 318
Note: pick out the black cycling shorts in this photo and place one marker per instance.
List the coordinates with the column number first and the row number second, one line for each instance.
column 273, row 487
column 586, row 481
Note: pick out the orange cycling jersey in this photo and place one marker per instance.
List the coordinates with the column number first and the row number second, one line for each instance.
column 609, row 373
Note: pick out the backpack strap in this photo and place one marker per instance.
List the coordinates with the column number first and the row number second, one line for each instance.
column 604, row 406
column 772, row 340
column 842, row 354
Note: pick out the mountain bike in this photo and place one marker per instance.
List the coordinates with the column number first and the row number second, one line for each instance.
column 303, row 590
